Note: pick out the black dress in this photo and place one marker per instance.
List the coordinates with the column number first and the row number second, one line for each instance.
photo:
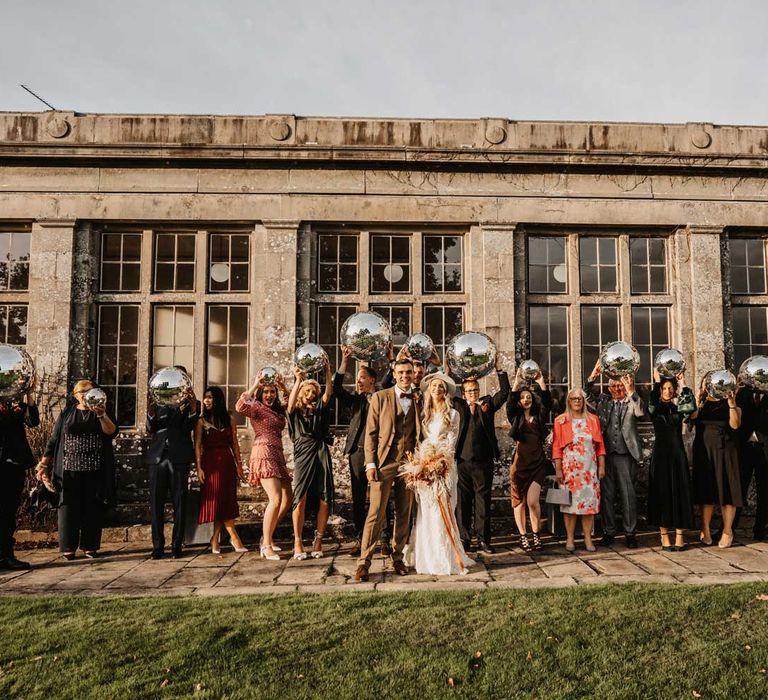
column 312, row 465
column 669, row 487
column 530, row 463
column 716, row 479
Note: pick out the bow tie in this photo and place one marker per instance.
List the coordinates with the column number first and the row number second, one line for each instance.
column 408, row 396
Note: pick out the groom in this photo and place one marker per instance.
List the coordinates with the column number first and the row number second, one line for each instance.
column 392, row 430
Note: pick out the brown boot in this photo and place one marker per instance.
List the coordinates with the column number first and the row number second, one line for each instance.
column 362, row 573
column 400, row 568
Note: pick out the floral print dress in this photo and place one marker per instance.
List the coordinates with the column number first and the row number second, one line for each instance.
column 580, row 472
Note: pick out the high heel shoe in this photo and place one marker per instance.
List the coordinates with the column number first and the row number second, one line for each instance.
column 525, row 544
column 271, row 557
column 317, row 553
column 215, row 549
column 240, row 549
column 275, row 548
column 706, row 541
column 302, row 555
column 537, row 545
column 725, row 541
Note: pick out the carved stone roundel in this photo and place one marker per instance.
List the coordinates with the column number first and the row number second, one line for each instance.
column 701, row 139
column 495, row 134
column 57, row 127
column 279, row 131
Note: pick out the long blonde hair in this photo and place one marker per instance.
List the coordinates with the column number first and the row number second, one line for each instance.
column 577, row 391
column 430, row 408
column 300, row 404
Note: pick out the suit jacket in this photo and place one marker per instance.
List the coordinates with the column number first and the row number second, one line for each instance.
column 602, row 404
column 488, row 406
column 358, row 403
column 14, row 446
column 171, row 429
column 380, row 425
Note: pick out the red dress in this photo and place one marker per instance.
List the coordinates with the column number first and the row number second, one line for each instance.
column 218, row 496
column 267, row 458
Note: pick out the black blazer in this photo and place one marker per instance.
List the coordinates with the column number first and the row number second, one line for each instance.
column 171, row 429
column 488, row 407
column 14, row 446
column 359, row 405
column 541, row 407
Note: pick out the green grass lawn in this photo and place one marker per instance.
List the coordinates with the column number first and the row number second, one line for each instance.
column 638, row 641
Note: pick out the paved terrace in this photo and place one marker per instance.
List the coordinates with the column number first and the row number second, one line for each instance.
column 125, row 569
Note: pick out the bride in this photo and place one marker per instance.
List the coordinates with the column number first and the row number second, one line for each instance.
column 435, row 545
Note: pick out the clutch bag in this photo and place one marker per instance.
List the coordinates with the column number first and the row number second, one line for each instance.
column 558, row 496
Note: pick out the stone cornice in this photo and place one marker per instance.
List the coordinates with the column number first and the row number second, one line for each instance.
column 406, row 143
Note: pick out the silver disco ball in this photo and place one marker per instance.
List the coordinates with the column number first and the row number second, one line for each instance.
column 754, row 373
column 96, row 399
column 719, row 383
column 618, row 359
column 169, row 385
column 530, row 369
column 420, row 346
column 310, row 358
column 367, row 334
column 269, row 375
column 471, row 355
column 669, row 363
column 16, row 372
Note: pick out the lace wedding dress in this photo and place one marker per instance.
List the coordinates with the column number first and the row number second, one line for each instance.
column 431, row 550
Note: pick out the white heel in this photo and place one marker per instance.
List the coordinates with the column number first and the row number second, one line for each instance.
column 317, row 553
column 270, row 557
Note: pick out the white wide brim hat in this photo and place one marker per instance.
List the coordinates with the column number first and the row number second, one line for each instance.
column 450, row 385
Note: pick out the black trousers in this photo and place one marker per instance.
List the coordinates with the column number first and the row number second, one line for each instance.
column 163, row 477
column 475, row 485
column 753, row 461
column 81, row 513
column 359, row 483
column 11, row 486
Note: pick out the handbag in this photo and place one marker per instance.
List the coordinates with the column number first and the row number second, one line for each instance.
column 558, row 496
column 41, row 497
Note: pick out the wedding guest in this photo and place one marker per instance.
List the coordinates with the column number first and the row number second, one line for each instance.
column 579, row 455
column 528, row 413
column 716, row 478
column 80, row 457
column 169, row 459
column 309, row 418
column 476, row 450
column 619, row 411
column 669, row 488
column 357, row 403
column 753, row 461
column 15, row 459
column 266, row 412
column 217, row 456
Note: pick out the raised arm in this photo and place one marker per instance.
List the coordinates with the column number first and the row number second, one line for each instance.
column 298, row 376
column 343, row 396
column 328, row 383
column 500, row 397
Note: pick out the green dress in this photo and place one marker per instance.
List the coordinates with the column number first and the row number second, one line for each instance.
column 312, row 464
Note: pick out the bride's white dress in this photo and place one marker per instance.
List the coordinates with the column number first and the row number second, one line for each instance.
column 430, row 550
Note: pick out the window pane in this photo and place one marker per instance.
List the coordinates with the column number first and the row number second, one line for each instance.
column 238, row 325
column 379, row 283
column 186, row 247
column 131, row 247
column 639, row 279
column 738, row 251
column 327, row 281
column 348, row 249
column 657, row 251
column 164, row 277
column 607, row 279
column 240, row 248
column 239, row 279
column 185, row 328
column 185, row 277
column 587, row 251
column 453, row 278
column 328, row 248
column 217, row 365
column 17, row 325
column 658, row 280
column 131, row 280
column 347, row 278
column 607, row 247
column 432, row 278
column 380, row 248
column 589, row 282
column 111, row 246
column 756, row 280
column 126, row 370
column 638, row 251
column 537, row 279
column 537, row 251
column 108, row 330
column 217, row 325
column 433, row 249
column 452, row 249
column 166, row 247
column 401, row 249
column 108, row 365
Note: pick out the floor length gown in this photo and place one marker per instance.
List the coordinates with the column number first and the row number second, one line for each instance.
column 431, row 550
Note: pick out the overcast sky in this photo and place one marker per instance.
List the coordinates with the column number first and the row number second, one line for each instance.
column 613, row 60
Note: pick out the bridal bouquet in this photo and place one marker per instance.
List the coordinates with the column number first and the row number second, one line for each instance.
column 428, row 466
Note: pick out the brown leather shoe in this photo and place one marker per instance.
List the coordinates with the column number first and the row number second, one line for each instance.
column 362, row 573
column 400, row 568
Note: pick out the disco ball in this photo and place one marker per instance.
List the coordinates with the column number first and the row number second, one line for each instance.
column 168, row 386
column 367, row 334
column 269, row 375
column 310, row 358
column 420, row 347
column 618, row 359
column 754, row 373
column 16, row 372
column 669, row 363
column 530, row 369
column 96, row 399
column 719, row 383
column 471, row 355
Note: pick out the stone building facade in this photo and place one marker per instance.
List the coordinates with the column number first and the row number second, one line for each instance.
column 221, row 242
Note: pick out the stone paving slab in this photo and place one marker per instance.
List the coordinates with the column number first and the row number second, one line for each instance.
column 126, row 570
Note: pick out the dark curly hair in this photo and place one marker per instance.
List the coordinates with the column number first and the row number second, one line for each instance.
column 277, row 405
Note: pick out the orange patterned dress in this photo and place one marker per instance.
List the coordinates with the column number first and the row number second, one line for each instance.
column 580, row 472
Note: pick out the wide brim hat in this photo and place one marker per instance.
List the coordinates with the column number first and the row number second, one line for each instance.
column 450, row 385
